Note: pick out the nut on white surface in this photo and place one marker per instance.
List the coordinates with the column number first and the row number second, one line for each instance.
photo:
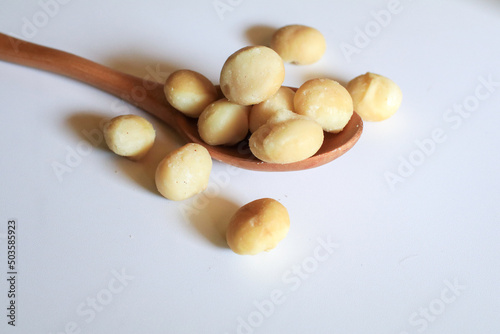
column 375, row 97
column 299, row 44
column 130, row 136
column 257, row 227
column 184, row 172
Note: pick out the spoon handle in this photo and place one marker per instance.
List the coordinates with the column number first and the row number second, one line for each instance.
column 142, row 93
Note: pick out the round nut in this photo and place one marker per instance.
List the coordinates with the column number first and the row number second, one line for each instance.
column 286, row 138
column 260, row 113
column 258, row 226
column 130, row 136
column 299, row 44
column 184, row 172
column 375, row 97
column 223, row 123
column 189, row 92
column 252, row 75
column 326, row 102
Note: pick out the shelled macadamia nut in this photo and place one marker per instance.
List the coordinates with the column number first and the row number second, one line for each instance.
column 130, row 136
column 184, row 172
column 223, row 123
column 260, row 113
column 189, row 92
column 299, row 44
column 257, row 227
column 252, row 75
column 375, row 97
column 286, row 138
column 326, row 102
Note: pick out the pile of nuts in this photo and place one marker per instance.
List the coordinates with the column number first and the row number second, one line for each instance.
column 286, row 126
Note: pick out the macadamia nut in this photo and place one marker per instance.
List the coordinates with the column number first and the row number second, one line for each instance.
column 130, row 136
column 257, row 227
column 299, row 44
column 184, row 172
column 375, row 97
column 261, row 112
column 223, row 123
column 286, row 138
column 189, row 92
column 252, row 75
column 326, row 102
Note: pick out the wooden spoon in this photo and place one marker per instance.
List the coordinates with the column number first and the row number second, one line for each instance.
column 149, row 96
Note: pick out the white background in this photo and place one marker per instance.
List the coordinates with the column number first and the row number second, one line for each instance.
column 398, row 249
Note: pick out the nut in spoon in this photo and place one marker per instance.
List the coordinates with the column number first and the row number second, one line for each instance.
column 121, row 85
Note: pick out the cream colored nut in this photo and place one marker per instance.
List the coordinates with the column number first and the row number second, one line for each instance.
column 260, row 113
column 326, row 102
column 184, row 172
column 223, row 123
column 286, row 138
column 299, row 44
column 257, row 227
column 130, row 136
column 284, row 115
column 252, row 75
column 375, row 97
column 189, row 92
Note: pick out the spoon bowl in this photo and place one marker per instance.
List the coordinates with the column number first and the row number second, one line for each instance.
column 152, row 100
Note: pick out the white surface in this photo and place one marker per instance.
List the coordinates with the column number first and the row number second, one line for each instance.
column 397, row 249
